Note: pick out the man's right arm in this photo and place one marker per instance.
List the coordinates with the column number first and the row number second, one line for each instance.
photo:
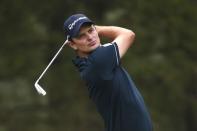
column 123, row 37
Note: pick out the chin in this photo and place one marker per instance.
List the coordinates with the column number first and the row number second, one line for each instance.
column 93, row 48
column 96, row 46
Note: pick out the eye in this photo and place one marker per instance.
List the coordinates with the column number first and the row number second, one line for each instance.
column 80, row 36
column 91, row 30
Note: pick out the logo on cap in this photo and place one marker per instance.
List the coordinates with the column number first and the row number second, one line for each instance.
column 70, row 26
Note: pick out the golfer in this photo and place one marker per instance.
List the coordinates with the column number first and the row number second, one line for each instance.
column 110, row 87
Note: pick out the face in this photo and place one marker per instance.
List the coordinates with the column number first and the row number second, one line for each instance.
column 86, row 41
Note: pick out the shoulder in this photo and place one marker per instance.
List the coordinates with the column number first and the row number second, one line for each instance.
column 104, row 49
column 106, row 54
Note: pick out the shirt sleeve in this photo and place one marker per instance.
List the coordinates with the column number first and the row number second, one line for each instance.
column 105, row 60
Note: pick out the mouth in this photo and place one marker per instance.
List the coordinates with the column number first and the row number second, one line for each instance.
column 92, row 43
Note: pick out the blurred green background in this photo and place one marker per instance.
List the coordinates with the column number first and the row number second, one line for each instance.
column 162, row 62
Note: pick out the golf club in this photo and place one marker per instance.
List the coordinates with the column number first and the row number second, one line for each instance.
column 37, row 86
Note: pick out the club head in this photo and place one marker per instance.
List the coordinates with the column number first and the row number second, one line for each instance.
column 39, row 89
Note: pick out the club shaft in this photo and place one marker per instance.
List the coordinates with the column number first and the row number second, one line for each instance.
column 52, row 60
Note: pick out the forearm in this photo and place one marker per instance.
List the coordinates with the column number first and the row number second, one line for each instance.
column 111, row 32
column 121, row 36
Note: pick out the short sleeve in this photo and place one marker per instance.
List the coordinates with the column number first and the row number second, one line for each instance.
column 105, row 60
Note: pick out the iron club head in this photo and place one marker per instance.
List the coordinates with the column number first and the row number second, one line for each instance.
column 39, row 89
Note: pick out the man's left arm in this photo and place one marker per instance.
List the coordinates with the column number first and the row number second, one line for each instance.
column 123, row 37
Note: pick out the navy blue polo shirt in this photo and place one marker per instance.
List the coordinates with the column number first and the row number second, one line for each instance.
column 113, row 91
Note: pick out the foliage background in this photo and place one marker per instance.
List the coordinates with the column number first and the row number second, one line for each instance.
column 162, row 63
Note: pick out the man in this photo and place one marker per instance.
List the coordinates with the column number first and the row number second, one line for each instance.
column 110, row 87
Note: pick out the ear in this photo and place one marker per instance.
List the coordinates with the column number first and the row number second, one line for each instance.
column 72, row 45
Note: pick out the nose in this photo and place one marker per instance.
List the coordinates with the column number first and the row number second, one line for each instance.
column 89, row 36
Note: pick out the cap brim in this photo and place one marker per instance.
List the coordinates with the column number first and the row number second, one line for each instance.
column 77, row 28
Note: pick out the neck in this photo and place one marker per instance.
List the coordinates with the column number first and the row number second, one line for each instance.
column 82, row 54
